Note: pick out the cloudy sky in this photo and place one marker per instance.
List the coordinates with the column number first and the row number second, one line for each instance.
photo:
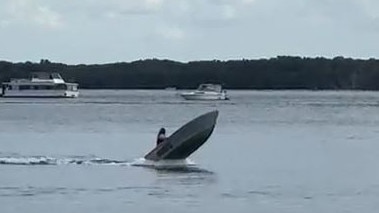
column 105, row 31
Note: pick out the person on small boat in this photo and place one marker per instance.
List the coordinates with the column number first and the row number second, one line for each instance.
column 161, row 136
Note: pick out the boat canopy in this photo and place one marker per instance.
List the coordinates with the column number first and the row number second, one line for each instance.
column 47, row 77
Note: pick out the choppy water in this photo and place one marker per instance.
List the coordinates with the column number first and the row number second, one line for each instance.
column 271, row 151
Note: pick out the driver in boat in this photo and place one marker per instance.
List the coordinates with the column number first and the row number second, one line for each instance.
column 161, row 136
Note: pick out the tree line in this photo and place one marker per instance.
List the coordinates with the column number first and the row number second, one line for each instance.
column 282, row 72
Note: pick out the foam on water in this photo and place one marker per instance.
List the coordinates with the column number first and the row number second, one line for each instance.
column 163, row 163
column 47, row 160
column 93, row 160
column 27, row 161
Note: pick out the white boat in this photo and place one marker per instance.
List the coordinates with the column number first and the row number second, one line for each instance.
column 40, row 85
column 206, row 92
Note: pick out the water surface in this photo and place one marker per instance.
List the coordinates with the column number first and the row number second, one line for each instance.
column 271, row 151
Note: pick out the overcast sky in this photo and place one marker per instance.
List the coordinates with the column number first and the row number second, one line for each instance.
column 106, row 31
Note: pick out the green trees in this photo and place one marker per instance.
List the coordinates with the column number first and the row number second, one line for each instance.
column 283, row 72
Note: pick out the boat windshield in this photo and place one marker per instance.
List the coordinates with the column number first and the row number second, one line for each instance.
column 55, row 76
column 72, row 87
column 210, row 87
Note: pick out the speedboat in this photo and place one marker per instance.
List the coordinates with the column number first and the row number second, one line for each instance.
column 40, row 85
column 206, row 92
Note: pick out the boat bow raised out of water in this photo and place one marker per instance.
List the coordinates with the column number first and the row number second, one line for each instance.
column 186, row 140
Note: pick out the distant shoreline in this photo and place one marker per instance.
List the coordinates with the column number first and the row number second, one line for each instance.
column 280, row 73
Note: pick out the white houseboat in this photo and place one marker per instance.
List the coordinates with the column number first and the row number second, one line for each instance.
column 40, row 85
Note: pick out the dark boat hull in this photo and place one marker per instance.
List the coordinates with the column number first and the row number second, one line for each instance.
column 185, row 140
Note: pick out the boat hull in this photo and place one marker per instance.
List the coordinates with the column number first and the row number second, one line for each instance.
column 185, row 140
column 193, row 96
column 40, row 94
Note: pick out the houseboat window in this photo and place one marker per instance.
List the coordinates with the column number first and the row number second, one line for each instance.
column 45, row 87
column 24, row 87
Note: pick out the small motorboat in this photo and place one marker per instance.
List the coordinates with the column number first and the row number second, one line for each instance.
column 186, row 140
column 206, row 92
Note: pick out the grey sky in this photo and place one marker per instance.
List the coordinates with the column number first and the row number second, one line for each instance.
column 105, row 31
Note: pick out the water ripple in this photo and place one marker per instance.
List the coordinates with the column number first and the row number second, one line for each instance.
column 28, row 191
